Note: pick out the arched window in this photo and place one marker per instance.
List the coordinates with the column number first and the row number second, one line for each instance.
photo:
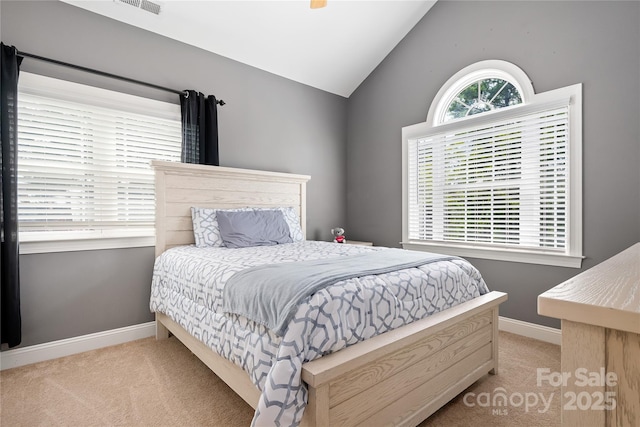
column 482, row 96
column 494, row 172
column 482, row 87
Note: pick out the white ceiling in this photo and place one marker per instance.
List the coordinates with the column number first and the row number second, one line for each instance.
column 334, row 48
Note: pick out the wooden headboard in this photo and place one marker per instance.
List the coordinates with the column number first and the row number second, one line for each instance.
column 179, row 186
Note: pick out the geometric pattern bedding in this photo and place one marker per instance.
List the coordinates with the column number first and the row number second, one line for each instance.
column 188, row 284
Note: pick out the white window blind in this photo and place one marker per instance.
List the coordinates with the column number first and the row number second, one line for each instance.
column 84, row 158
column 498, row 183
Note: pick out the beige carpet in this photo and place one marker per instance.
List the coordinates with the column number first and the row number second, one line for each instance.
column 160, row 383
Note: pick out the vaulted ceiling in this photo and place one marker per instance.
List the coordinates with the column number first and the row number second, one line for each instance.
column 333, row 48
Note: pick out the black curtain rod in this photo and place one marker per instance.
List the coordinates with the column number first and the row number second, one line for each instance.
column 104, row 74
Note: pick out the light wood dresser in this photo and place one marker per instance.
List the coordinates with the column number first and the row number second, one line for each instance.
column 600, row 312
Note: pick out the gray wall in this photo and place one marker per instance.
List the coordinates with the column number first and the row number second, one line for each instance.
column 557, row 44
column 269, row 123
column 275, row 124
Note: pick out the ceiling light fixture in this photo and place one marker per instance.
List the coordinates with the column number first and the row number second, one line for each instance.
column 317, row 4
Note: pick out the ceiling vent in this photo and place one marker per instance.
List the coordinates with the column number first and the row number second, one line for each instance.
column 145, row 5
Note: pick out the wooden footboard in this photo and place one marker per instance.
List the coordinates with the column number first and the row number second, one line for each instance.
column 397, row 378
column 403, row 376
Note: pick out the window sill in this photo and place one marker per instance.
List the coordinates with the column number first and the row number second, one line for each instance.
column 524, row 256
column 33, row 245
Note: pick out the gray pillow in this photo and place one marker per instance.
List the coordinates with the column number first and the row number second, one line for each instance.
column 253, row 228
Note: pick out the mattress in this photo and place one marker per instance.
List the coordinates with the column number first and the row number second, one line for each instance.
column 188, row 286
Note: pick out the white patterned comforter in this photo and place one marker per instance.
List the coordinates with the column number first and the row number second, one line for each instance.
column 188, row 285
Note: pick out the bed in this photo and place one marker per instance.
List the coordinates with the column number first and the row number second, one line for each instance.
column 399, row 377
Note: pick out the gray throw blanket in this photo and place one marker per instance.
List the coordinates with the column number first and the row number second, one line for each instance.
column 270, row 294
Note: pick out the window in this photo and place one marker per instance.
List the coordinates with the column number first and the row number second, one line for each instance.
column 482, row 96
column 84, row 175
column 495, row 171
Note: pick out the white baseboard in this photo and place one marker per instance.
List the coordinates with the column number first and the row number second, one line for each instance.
column 53, row 350
column 530, row 330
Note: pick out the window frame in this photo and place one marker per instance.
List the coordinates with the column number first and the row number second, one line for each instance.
column 33, row 242
column 571, row 95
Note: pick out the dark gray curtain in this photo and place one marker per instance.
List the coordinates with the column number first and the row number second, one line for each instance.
column 199, row 128
column 11, row 323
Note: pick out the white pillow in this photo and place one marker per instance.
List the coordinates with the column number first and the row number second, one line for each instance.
column 205, row 228
column 291, row 217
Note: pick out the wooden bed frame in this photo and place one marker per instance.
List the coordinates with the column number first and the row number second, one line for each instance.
column 397, row 378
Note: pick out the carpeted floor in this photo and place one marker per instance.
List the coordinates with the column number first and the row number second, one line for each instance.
column 160, row 383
